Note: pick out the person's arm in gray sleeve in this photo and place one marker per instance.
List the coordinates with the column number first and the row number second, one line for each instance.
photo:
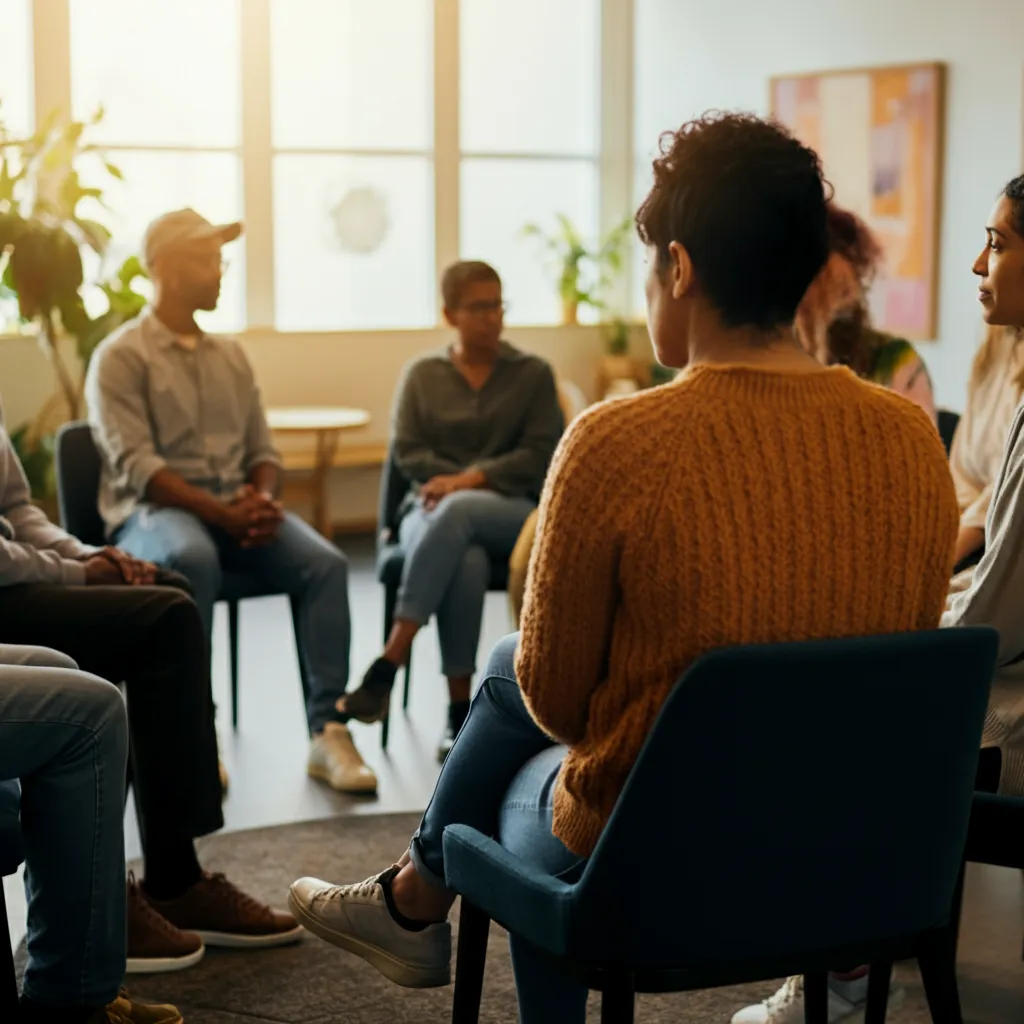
column 521, row 471
column 262, row 460
column 415, row 458
column 996, row 594
column 32, row 549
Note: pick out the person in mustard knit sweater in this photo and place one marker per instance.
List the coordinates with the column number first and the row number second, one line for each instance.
column 746, row 502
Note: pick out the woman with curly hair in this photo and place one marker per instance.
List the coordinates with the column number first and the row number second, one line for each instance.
column 727, row 474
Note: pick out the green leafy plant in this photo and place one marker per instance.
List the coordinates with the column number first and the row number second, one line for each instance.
column 584, row 273
column 616, row 337
column 43, row 236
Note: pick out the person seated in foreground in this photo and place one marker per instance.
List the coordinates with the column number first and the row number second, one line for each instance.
column 190, row 474
column 993, row 393
column 64, row 738
column 833, row 321
column 98, row 606
column 703, row 514
column 474, row 428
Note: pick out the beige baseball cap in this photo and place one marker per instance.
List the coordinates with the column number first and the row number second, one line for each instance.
column 181, row 228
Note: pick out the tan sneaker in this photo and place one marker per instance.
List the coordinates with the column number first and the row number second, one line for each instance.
column 333, row 757
column 123, row 1010
column 222, row 915
column 155, row 946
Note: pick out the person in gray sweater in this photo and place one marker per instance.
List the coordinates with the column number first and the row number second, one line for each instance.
column 991, row 593
column 473, row 430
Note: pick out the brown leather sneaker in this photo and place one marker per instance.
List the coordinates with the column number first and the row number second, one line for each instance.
column 123, row 1010
column 155, row 946
column 222, row 915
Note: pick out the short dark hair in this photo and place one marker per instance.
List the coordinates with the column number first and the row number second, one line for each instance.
column 459, row 276
column 1014, row 191
column 747, row 201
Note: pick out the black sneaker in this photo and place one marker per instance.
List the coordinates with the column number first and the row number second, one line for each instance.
column 457, row 713
column 370, row 702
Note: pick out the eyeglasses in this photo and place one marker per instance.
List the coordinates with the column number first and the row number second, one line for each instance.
column 483, row 308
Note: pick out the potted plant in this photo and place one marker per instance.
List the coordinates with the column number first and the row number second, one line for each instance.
column 584, row 273
column 43, row 234
column 617, row 363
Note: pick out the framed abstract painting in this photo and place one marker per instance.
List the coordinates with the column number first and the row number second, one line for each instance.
column 879, row 132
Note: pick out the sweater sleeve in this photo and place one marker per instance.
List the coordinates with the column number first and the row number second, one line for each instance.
column 415, row 458
column 572, row 584
column 997, row 588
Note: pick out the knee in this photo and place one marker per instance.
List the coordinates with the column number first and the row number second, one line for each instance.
column 501, row 663
column 36, row 657
column 200, row 563
column 330, row 563
column 102, row 707
column 475, row 568
column 455, row 513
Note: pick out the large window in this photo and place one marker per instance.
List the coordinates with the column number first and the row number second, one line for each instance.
column 364, row 143
column 352, row 105
column 172, row 117
column 530, row 136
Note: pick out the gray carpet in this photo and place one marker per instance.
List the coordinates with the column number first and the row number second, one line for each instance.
column 314, row 983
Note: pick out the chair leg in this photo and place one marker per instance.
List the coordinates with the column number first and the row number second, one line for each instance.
column 878, row 993
column 471, row 958
column 8, row 979
column 233, row 656
column 937, row 961
column 408, row 674
column 618, row 998
column 816, row 998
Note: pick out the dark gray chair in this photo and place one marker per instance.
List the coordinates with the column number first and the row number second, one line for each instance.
column 394, row 487
column 11, row 855
column 948, row 422
column 77, row 464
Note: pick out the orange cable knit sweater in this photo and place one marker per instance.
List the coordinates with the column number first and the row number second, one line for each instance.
column 733, row 506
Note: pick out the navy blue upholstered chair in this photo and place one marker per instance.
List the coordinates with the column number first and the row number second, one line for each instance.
column 832, row 778
column 77, row 465
column 391, row 559
column 11, row 855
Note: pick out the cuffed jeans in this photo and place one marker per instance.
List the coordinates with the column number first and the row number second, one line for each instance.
column 448, row 551
column 499, row 779
column 299, row 562
column 64, row 735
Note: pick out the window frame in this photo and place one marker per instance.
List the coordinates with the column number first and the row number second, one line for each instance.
column 51, row 71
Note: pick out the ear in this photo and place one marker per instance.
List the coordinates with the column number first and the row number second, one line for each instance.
column 680, row 270
column 449, row 317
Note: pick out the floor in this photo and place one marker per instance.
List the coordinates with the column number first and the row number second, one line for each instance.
column 266, row 760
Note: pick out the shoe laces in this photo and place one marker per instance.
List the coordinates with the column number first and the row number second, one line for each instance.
column 144, row 911
column 367, row 889
column 231, row 894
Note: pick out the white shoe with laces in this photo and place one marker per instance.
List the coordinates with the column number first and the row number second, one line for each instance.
column 356, row 918
column 787, row 1005
column 334, row 759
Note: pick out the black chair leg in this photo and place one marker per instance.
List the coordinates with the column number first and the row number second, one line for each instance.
column 8, row 979
column 878, row 994
column 408, row 673
column 618, row 998
column 816, row 998
column 390, row 602
column 233, row 655
column 937, row 961
column 474, row 929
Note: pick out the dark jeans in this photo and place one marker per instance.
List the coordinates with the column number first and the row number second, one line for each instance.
column 151, row 640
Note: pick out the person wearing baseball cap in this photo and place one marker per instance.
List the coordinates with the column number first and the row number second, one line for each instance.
column 190, row 475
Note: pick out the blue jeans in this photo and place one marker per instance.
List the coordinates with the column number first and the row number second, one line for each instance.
column 299, row 562
column 64, row 735
column 448, row 552
column 499, row 778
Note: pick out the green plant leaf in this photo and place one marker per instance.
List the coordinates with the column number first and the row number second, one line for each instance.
column 97, row 236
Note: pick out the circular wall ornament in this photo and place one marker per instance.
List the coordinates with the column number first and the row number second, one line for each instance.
column 359, row 220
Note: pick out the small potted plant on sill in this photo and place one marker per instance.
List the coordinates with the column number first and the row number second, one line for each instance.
column 584, row 273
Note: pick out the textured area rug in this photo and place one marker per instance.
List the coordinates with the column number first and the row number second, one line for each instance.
column 314, row 983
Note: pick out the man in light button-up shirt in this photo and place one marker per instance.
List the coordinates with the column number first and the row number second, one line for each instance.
column 190, row 475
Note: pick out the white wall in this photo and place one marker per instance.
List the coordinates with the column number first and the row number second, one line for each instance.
column 693, row 56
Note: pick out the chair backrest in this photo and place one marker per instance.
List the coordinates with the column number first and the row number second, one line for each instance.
column 948, row 422
column 11, row 847
column 77, row 465
column 793, row 798
column 394, row 486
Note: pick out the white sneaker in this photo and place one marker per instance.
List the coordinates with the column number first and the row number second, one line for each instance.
column 333, row 757
column 787, row 1005
column 356, row 918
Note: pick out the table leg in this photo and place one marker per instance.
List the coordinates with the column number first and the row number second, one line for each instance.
column 326, row 446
